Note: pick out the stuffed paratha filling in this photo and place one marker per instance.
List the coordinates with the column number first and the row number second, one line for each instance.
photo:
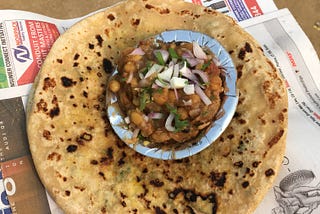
column 169, row 92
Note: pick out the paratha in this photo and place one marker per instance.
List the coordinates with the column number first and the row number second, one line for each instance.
column 87, row 169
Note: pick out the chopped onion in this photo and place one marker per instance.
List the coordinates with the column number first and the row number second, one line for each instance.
column 178, row 82
column 166, row 74
column 135, row 133
column 202, row 74
column 155, row 115
column 198, row 52
column 176, row 93
column 186, row 72
column 144, row 83
column 187, row 54
column 176, row 70
column 192, row 61
column 162, row 84
column 202, row 95
column 154, row 69
column 141, row 76
column 187, row 103
column 127, row 120
column 164, row 54
column 137, row 51
column 171, row 63
column 189, row 89
column 154, row 86
column 145, row 117
column 169, row 122
column 130, row 77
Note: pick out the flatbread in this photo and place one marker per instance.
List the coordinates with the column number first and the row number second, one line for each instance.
column 87, row 169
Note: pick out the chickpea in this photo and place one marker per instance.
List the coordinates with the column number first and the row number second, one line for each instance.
column 134, row 82
column 114, row 86
column 135, row 58
column 173, row 45
column 195, row 100
column 129, row 67
column 136, row 118
column 160, row 97
column 171, row 97
column 160, row 136
column 183, row 113
column 215, row 83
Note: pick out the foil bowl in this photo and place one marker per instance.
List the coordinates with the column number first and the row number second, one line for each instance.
column 219, row 124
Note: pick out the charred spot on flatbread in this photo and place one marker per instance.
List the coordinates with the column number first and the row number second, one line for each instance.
column 47, row 134
column 76, row 56
column 72, row 148
column 99, row 39
column 48, row 83
column 218, row 179
column 135, row 22
column 246, row 49
column 91, row 46
column 158, row 9
column 107, row 65
column 67, row 82
column 245, row 184
column 111, row 17
column 54, row 112
column 269, row 172
column 192, row 196
column 255, row 164
column 42, row 106
column 54, row 156
column 84, row 137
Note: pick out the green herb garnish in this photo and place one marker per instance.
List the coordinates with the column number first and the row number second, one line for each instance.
column 147, row 68
column 205, row 65
column 178, row 123
column 159, row 90
column 160, row 58
column 173, row 53
column 144, row 98
column 141, row 137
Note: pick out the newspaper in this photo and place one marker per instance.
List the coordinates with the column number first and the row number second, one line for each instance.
column 26, row 38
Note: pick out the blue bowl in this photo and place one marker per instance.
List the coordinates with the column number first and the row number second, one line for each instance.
column 221, row 121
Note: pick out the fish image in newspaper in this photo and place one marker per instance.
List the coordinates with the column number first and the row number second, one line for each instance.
column 294, row 195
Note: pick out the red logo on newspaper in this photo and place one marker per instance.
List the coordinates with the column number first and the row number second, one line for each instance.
column 199, row 2
column 253, row 7
column 41, row 36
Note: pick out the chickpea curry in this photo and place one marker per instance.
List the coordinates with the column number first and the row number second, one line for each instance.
column 169, row 92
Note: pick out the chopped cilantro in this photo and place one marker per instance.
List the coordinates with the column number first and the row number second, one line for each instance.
column 141, row 137
column 144, row 98
column 159, row 90
column 205, row 65
column 147, row 68
column 160, row 58
column 162, row 81
column 173, row 53
column 204, row 113
column 178, row 123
